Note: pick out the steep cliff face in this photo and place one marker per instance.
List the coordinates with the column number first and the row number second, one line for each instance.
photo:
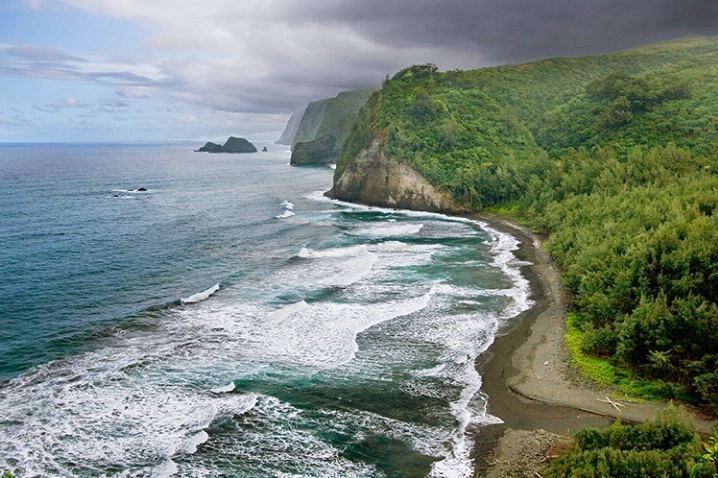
column 372, row 178
column 319, row 151
column 290, row 130
column 325, row 125
column 311, row 121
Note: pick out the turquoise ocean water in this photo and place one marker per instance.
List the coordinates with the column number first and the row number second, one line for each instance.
column 230, row 321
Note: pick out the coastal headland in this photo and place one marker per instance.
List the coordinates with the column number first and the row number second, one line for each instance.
column 572, row 144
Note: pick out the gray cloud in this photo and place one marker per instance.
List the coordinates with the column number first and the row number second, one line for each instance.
column 256, row 61
column 516, row 30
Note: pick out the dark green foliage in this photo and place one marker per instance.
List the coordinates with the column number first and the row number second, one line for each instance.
column 666, row 449
column 613, row 156
column 319, row 151
column 324, row 122
column 361, row 137
column 341, row 112
column 642, row 263
column 706, row 463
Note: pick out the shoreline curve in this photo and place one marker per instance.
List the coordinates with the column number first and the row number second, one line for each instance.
column 527, row 373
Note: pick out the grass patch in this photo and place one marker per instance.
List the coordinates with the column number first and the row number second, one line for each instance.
column 604, row 373
column 595, row 369
column 508, row 210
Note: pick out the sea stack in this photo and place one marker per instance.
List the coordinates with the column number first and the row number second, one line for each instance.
column 233, row 145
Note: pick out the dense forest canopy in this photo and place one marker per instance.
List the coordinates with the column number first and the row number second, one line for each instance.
column 615, row 158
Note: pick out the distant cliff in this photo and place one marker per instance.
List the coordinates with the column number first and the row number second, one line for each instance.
column 290, row 130
column 233, row 145
column 320, row 151
column 324, row 126
column 311, row 121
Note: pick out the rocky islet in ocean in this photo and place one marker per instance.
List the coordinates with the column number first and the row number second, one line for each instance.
column 232, row 145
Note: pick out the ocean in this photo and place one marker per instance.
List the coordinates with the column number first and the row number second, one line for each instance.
column 172, row 313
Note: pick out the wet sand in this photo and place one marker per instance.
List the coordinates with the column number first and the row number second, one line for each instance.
column 527, row 373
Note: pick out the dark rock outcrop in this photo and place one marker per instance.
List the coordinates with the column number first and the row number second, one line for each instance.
column 324, row 126
column 319, row 151
column 233, row 145
column 210, row 147
column 372, row 178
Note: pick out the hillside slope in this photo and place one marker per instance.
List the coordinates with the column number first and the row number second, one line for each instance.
column 325, row 125
column 613, row 156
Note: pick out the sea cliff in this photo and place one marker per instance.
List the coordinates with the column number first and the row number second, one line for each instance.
column 317, row 132
column 372, row 178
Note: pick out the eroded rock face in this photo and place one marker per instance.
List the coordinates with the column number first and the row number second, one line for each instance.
column 371, row 178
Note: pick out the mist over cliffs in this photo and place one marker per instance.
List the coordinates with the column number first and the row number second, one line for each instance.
column 317, row 132
column 290, row 130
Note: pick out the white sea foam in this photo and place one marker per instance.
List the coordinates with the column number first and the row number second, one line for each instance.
column 388, row 230
column 87, row 410
column 165, row 470
column 225, row 389
column 200, row 296
column 336, row 267
column 191, row 444
column 285, row 214
column 503, row 249
column 150, row 399
column 323, row 334
column 283, row 445
column 288, row 210
column 337, row 252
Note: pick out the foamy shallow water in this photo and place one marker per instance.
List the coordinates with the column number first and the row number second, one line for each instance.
column 326, row 339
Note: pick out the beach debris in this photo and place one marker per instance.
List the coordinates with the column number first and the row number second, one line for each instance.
column 615, row 404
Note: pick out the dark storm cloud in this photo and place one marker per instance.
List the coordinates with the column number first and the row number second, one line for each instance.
column 517, row 30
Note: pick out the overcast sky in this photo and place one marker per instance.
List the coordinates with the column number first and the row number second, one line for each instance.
column 128, row 70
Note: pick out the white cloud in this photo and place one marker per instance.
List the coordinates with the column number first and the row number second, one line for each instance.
column 71, row 102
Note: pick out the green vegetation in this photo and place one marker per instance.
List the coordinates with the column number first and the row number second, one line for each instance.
column 325, row 126
column 598, row 370
column 667, row 448
column 614, row 157
column 707, row 459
